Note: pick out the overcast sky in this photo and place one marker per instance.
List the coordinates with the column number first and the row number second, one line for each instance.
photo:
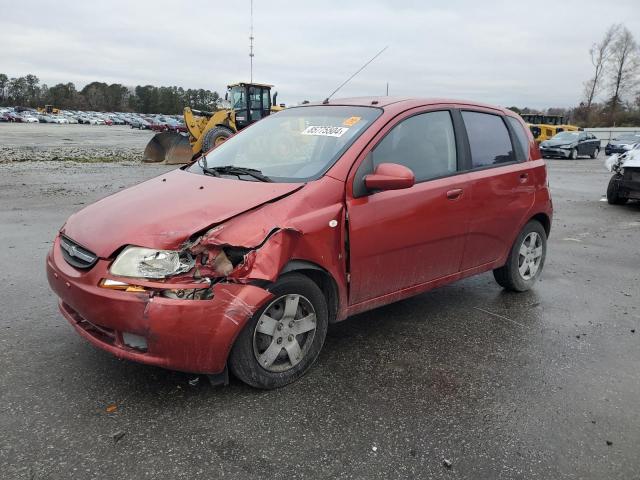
column 506, row 53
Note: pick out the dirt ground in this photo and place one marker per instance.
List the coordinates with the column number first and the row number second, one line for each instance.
column 84, row 143
column 539, row 385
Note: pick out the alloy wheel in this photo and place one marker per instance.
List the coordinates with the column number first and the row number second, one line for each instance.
column 530, row 255
column 284, row 333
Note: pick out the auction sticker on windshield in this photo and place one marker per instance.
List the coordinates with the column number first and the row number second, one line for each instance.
column 324, row 131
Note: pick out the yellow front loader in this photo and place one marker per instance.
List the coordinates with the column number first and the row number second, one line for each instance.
column 543, row 127
column 249, row 103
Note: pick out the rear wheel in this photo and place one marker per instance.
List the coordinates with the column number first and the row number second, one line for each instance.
column 595, row 153
column 613, row 191
column 215, row 137
column 283, row 339
column 526, row 259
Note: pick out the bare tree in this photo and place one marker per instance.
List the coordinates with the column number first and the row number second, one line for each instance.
column 624, row 68
column 600, row 53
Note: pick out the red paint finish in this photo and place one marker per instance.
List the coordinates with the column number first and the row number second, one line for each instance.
column 400, row 239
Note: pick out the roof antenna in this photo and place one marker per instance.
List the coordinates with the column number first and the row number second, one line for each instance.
column 326, row 100
column 251, row 42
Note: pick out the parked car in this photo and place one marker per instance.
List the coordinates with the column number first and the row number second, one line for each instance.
column 622, row 143
column 624, row 185
column 140, row 123
column 571, row 145
column 14, row 117
column 60, row 120
column 307, row 217
column 29, row 119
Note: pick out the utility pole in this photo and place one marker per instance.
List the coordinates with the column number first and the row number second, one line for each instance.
column 251, row 43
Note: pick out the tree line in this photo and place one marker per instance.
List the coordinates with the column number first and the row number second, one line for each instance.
column 27, row 91
column 611, row 96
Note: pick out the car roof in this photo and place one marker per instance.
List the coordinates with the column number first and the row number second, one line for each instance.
column 407, row 102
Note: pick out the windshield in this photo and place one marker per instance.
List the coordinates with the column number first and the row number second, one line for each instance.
column 294, row 145
column 237, row 98
column 571, row 136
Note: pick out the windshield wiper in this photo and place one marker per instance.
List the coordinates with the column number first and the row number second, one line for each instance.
column 233, row 170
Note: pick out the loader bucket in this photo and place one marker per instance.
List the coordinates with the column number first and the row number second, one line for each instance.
column 169, row 148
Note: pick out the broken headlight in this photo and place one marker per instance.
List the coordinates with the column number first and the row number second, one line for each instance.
column 148, row 263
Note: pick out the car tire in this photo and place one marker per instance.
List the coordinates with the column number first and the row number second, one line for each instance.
column 574, row 154
column 526, row 259
column 613, row 191
column 269, row 353
column 595, row 153
column 215, row 137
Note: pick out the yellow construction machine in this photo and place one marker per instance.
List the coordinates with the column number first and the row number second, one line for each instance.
column 249, row 102
column 543, row 127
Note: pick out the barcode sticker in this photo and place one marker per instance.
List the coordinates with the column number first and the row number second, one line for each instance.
column 324, row 131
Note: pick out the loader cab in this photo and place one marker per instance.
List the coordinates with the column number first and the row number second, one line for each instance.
column 250, row 102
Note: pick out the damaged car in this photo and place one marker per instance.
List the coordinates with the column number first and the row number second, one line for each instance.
column 240, row 260
column 624, row 185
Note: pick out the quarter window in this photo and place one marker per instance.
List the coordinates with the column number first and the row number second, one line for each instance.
column 424, row 143
column 488, row 138
column 521, row 135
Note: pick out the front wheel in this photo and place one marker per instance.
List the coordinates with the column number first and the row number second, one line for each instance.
column 526, row 259
column 613, row 191
column 283, row 339
column 574, row 154
column 214, row 137
column 595, row 153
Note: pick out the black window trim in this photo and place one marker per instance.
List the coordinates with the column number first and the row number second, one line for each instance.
column 366, row 165
column 468, row 163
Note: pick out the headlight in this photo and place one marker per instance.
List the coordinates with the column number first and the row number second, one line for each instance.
column 565, row 147
column 627, row 147
column 148, row 263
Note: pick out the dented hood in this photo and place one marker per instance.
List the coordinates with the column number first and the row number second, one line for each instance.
column 164, row 211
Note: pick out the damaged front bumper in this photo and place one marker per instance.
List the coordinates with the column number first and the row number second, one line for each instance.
column 147, row 327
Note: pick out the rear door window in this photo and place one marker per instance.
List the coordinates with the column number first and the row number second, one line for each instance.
column 488, row 138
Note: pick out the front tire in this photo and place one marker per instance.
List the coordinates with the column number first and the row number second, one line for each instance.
column 526, row 259
column 215, row 137
column 595, row 153
column 574, row 154
column 283, row 339
column 613, row 191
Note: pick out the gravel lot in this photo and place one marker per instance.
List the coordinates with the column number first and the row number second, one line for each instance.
column 83, row 143
column 540, row 385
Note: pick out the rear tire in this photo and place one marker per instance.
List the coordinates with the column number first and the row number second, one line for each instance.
column 613, row 191
column 526, row 259
column 215, row 137
column 294, row 337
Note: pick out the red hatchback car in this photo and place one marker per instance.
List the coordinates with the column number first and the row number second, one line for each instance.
column 318, row 212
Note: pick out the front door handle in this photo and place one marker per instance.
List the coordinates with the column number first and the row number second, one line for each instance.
column 454, row 194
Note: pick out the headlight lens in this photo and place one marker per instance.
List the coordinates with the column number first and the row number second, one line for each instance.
column 148, row 263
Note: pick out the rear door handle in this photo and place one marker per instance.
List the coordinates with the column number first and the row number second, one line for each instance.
column 454, row 194
column 524, row 177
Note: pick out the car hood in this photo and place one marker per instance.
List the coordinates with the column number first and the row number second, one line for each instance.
column 164, row 211
column 619, row 143
column 556, row 143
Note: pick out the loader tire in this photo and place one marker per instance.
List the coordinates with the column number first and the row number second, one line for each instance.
column 215, row 137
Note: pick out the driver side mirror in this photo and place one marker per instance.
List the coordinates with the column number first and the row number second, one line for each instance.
column 390, row 176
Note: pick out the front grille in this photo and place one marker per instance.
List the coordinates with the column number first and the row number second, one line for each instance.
column 75, row 255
